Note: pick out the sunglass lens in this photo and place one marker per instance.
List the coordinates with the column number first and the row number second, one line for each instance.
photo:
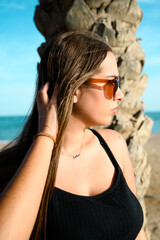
column 116, row 86
column 110, row 89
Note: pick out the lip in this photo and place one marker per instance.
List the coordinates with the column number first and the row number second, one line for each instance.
column 115, row 108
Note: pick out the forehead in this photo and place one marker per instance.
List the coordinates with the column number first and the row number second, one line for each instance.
column 109, row 65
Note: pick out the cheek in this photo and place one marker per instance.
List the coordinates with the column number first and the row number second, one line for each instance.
column 94, row 109
column 99, row 104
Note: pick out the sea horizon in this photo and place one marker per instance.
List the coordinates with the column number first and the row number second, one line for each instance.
column 11, row 125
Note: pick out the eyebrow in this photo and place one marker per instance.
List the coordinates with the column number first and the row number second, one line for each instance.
column 112, row 76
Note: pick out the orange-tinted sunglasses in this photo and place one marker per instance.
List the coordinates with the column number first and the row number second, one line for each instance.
column 110, row 87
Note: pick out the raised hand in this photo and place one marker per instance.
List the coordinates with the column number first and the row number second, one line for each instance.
column 47, row 109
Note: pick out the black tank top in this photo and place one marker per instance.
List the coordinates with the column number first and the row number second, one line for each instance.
column 115, row 214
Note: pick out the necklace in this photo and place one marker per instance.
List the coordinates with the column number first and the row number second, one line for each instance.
column 79, row 154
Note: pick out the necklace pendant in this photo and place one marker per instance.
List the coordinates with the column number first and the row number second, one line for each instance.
column 77, row 155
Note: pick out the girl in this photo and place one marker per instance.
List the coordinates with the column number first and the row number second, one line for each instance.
column 61, row 179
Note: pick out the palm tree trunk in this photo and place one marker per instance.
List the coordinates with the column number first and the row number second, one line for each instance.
column 117, row 22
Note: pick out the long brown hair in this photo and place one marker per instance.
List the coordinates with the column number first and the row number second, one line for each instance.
column 69, row 59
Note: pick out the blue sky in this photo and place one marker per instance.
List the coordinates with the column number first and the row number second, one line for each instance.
column 19, row 40
column 149, row 31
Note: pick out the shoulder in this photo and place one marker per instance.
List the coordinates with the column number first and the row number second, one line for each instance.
column 111, row 135
column 117, row 144
column 114, row 139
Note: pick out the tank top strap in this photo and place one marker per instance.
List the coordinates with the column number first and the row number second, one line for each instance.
column 106, row 148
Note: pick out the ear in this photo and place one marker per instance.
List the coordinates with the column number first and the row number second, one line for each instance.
column 76, row 95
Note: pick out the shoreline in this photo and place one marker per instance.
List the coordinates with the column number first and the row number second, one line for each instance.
column 4, row 142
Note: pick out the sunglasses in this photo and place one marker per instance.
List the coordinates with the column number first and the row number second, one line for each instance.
column 110, row 86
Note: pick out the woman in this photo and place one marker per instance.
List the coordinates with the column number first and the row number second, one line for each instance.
column 62, row 180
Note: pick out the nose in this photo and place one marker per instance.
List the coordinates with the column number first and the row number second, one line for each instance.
column 119, row 96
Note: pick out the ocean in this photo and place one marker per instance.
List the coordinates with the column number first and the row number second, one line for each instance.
column 11, row 126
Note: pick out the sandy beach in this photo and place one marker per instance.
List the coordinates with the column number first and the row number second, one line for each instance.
column 152, row 198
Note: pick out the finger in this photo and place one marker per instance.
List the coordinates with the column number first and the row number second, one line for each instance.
column 46, row 86
column 38, row 101
column 55, row 93
column 43, row 93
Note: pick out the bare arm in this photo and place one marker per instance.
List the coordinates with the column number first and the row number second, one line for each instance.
column 128, row 173
column 116, row 141
column 20, row 201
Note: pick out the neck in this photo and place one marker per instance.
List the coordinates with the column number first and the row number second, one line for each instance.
column 74, row 137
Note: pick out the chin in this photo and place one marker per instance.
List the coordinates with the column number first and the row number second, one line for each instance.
column 103, row 122
column 106, row 120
